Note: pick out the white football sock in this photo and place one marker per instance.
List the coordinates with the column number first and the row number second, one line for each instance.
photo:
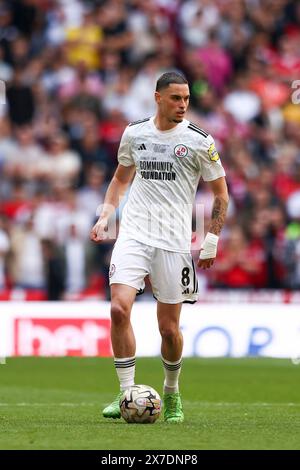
column 125, row 368
column 172, row 372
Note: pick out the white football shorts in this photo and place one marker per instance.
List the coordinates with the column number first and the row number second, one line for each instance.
column 172, row 275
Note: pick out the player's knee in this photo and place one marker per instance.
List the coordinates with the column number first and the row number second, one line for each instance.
column 169, row 332
column 120, row 314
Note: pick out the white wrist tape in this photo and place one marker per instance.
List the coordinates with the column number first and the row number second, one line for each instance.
column 209, row 246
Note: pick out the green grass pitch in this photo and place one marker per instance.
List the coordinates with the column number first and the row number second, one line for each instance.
column 55, row 403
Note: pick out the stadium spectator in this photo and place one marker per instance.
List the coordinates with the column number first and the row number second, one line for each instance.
column 74, row 251
column 62, row 164
column 20, row 99
column 241, row 265
column 4, row 249
column 54, row 266
column 26, row 264
column 83, row 42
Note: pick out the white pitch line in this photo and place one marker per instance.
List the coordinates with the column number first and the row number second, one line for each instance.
column 206, row 404
column 51, row 404
column 188, row 403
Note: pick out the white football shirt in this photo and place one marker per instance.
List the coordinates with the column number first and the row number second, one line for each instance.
column 168, row 166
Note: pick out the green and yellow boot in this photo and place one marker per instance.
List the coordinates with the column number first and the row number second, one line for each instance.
column 113, row 410
column 173, row 412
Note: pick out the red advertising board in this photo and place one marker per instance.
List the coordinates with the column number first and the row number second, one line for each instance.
column 62, row 337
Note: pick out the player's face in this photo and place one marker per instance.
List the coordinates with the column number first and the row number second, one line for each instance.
column 173, row 102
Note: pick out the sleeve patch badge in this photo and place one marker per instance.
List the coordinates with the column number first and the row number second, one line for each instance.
column 213, row 154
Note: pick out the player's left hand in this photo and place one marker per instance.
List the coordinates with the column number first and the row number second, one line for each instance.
column 208, row 251
column 205, row 263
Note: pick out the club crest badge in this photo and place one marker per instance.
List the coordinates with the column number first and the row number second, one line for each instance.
column 181, row 151
column 112, row 270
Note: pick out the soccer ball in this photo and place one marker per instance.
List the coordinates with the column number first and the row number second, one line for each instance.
column 140, row 404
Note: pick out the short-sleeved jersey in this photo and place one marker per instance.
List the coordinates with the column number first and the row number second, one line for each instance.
column 168, row 166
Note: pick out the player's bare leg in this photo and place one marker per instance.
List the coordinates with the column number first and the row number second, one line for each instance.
column 168, row 316
column 122, row 336
column 123, row 342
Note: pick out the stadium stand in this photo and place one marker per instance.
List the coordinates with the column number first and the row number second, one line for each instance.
column 77, row 72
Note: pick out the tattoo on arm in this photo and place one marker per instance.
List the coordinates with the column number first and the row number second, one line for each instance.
column 218, row 215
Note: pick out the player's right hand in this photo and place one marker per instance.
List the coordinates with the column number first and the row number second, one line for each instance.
column 97, row 233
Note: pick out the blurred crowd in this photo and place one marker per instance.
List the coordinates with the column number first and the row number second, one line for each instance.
column 76, row 72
